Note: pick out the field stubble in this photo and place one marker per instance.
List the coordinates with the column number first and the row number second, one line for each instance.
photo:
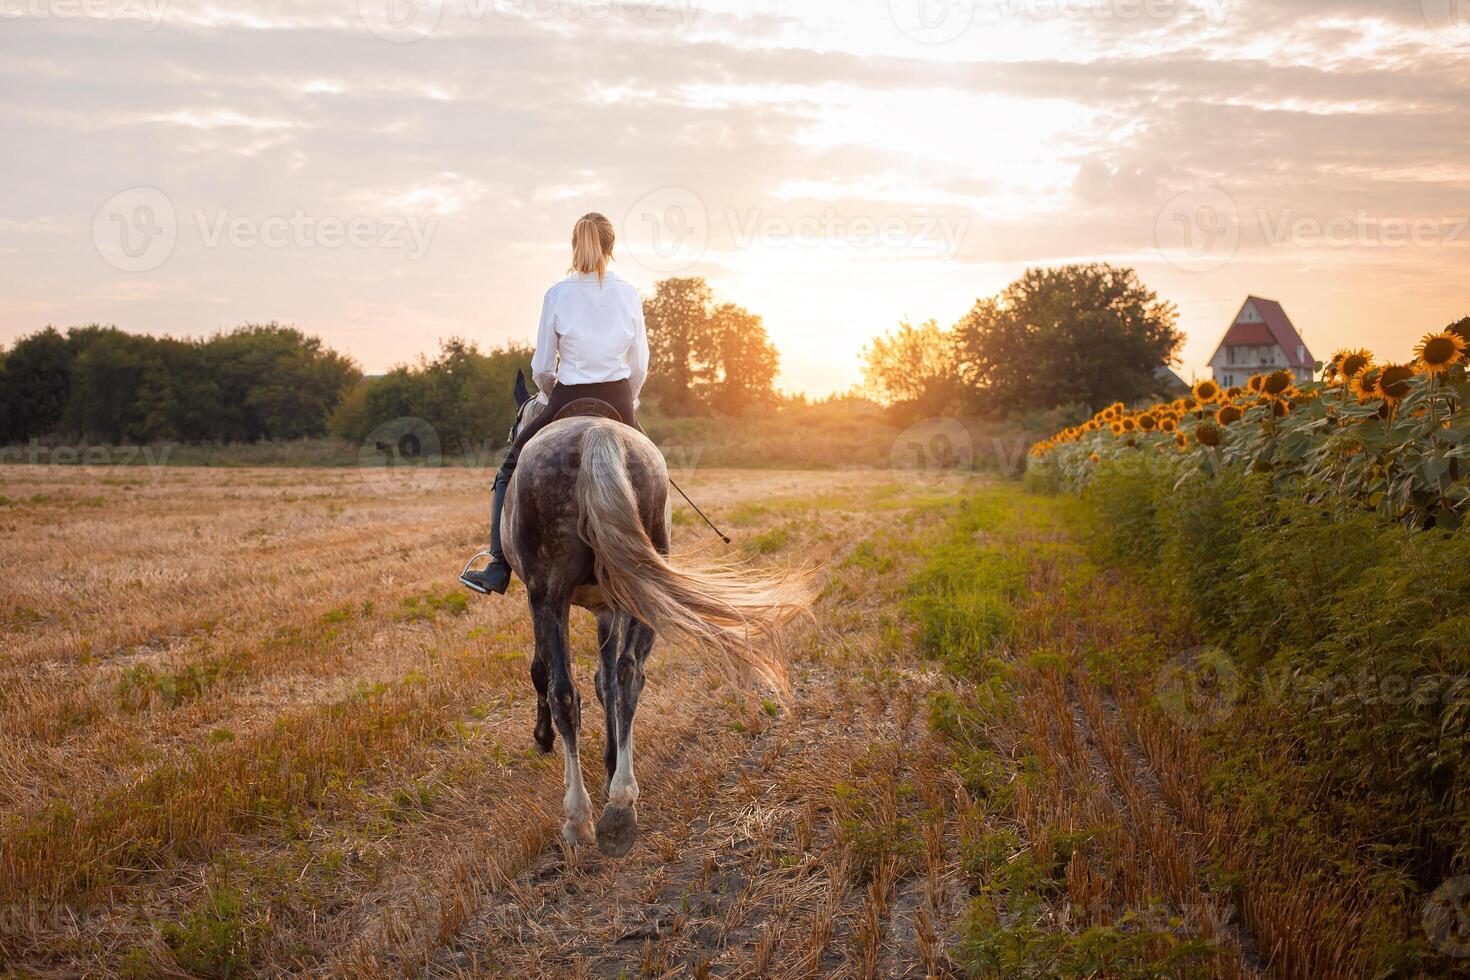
column 248, row 725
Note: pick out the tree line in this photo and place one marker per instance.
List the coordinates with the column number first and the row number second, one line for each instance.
column 1077, row 335
column 99, row 383
column 275, row 382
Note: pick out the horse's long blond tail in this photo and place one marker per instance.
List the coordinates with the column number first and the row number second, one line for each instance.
column 727, row 608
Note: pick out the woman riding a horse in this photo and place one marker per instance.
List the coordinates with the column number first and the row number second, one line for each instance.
column 583, row 509
column 591, row 345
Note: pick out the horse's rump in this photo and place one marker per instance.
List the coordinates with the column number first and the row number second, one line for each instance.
column 717, row 604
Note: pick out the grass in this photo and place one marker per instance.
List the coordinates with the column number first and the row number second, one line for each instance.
column 841, row 435
column 259, row 711
column 1079, row 868
column 299, row 748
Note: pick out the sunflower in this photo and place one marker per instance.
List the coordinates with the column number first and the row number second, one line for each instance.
column 1181, row 440
column 1461, row 328
column 1094, row 458
column 1439, row 352
column 1116, row 426
column 1206, row 390
column 1130, row 424
column 1353, row 363
column 1148, row 423
column 1277, row 383
column 1234, row 392
column 1393, row 381
column 1207, row 435
column 1227, row 414
column 1365, row 383
column 1254, row 384
column 1280, row 409
column 1168, row 423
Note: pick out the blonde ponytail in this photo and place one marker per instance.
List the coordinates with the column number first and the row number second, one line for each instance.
column 592, row 245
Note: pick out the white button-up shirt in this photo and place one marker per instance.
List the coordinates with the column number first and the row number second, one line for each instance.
column 591, row 332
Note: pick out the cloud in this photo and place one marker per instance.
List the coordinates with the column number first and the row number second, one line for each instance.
column 1046, row 132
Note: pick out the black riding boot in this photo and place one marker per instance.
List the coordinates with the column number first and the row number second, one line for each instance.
column 494, row 577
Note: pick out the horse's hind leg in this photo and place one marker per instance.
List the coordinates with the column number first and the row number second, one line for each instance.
column 619, row 824
column 544, row 734
column 549, row 615
column 607, row 679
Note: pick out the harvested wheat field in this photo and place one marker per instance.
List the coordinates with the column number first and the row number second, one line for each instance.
column 250, row 725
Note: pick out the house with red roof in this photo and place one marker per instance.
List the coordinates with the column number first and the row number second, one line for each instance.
column 1262, row 338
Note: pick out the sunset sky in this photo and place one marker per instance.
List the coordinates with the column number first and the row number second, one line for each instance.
column 385, row 174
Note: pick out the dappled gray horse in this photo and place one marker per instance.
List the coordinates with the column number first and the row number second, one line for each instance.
column 587, row 523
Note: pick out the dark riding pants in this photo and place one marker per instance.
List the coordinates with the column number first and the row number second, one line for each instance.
column 618, row 394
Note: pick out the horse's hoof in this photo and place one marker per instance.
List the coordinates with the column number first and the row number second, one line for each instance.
column 576, row 836
column 544, row 742
column 617, row 829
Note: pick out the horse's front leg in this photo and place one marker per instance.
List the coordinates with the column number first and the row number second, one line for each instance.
column 618, row 827
column 549, row 615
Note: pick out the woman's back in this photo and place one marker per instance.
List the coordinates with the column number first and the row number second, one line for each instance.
column 595, row 327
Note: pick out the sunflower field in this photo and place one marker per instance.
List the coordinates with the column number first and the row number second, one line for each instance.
column 1312, row 537
column 1394, row 438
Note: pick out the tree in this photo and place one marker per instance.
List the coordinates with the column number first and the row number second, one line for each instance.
column 35, row 385
column 745, row 361
column 913, row 369
column 677, row 317
column 275, row 382
column 467, row 396
column 1078, row 334
column 107, row 376
column 704, row 356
